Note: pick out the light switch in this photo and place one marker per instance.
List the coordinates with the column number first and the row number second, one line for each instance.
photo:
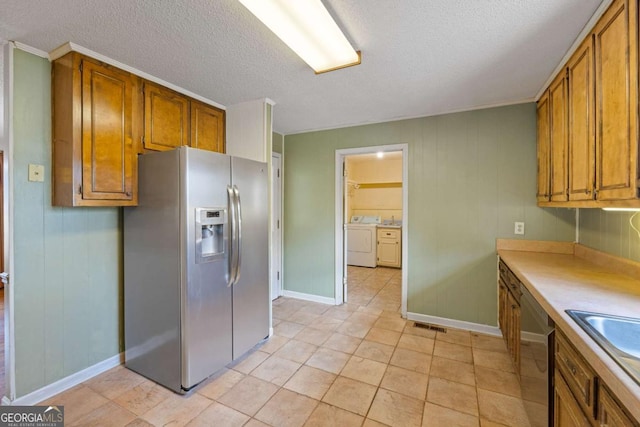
column 36, row 173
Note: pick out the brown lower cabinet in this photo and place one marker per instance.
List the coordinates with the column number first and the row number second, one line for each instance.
column 567, row 411
column 513, row 343
column 509, row 312
column 580, row 398
column 610, row 413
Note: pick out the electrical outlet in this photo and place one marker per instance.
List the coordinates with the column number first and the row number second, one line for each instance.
column 36, row 173
column 519, row 228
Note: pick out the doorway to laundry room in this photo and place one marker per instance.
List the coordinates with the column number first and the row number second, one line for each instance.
column 371, row 204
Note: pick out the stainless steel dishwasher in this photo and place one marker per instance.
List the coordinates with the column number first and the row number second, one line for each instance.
column 536, row 352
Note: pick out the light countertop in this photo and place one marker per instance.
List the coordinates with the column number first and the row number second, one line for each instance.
column 565, row 276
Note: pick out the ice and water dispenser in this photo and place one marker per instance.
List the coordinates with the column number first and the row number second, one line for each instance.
column 210, row 234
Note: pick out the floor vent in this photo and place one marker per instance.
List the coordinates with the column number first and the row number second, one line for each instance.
column 430, row 326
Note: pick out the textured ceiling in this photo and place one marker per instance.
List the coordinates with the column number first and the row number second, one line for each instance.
column 419, row 57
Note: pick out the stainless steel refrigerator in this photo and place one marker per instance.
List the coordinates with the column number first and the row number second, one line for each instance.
column 196, row 285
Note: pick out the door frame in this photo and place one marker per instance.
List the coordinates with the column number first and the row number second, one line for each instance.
column 276, row 200
column 340, row 269
column 6, row 146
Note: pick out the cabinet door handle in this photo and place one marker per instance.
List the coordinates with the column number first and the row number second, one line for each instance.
column 570, row 365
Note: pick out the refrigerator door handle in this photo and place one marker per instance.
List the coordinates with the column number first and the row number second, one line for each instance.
column 238, row 244
column 231, row 221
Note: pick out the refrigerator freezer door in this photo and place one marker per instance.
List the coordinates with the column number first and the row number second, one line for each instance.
column 206, row 298
column 251, row 291
column 152, row 273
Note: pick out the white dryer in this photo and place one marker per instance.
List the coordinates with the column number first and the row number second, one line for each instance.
column 361, row 241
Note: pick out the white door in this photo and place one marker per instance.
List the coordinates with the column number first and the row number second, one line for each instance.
column 276, row 226
column 7, row 377
column 345, row 220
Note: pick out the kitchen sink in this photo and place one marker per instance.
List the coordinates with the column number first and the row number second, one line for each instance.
column 618, row 336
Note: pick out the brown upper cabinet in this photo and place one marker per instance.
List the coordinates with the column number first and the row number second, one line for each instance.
column 94, row 160
column 580, row 82
column 544, row 143
column 616, row 64
column 172, row 119
column 207, row 127
column 103, row 117
column 166, row 118
column 558, row 140
column 600, row 162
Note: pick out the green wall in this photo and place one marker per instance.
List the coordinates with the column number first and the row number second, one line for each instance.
column 610, row 232
column 471, row 176
column 67, row 278
column 277, row 142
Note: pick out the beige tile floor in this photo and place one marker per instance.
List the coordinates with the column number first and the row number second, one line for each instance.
column 359, row 364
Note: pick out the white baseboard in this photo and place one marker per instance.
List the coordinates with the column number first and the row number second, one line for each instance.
column 458, row 324
column 530, row 336
column 66, row 383
column 309, row 297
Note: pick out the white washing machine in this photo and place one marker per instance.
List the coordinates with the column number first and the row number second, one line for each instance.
column 361, row 241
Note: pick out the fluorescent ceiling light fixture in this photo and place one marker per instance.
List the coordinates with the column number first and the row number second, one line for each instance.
column 308, row 29
column 621, row 209
column 380, row 154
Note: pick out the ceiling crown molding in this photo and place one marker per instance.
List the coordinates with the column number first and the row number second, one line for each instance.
column 72, row 47
column 30, row 49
